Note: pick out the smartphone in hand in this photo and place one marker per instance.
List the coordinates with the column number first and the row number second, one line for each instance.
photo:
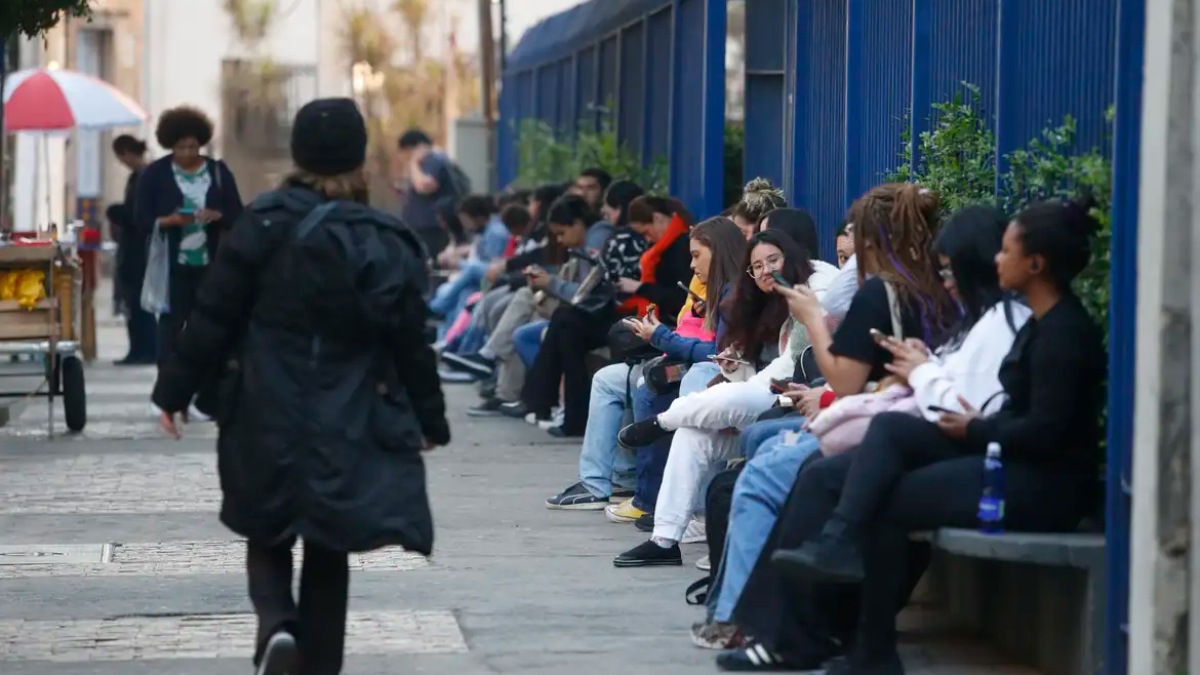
column 878, row 336
column 780, row 386
column 779, row 280
column 941, row 410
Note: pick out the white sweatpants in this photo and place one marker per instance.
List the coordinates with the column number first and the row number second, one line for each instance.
column 702, row 440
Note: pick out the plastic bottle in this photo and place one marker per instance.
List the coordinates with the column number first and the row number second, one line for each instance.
column 991, row 501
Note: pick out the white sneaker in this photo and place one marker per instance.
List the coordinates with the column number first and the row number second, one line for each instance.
column 194, row 415
column 704, row 564
column 696, row 533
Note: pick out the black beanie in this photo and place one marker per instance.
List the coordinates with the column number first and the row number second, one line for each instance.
column 329, row 137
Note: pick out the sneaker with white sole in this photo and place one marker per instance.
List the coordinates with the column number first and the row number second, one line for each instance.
column 717, row 635
column 576, row 498
column 622, row 513
column 280, row 656
column 696, row 533
column 704, row 564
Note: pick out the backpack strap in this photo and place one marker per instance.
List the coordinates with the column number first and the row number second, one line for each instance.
column 314, row 218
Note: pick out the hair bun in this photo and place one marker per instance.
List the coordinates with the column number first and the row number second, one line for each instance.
column 1079, row 214
column 760, row 195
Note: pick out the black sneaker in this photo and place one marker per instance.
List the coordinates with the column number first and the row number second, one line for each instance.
column 561, row 432
column 516, row 410
column 642, row 434
column 645, row 523
column 576, row 498
column 280, row 656
column 756, row 658
column 471, row 363
column 825, row 558
column 489, row 408
column 650, row 554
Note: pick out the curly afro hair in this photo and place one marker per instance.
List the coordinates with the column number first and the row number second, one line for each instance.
column 177, row 124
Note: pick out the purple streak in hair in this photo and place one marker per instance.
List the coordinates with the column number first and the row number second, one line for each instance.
column 925, row 307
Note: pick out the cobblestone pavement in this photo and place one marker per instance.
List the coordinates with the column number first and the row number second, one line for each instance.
column 112, row 561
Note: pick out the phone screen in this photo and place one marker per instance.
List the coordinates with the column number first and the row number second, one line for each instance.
column 780, row 280
column 187, row 211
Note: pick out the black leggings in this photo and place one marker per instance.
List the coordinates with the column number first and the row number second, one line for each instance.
column 563, row 356
column 907, row 476
column 319, row 624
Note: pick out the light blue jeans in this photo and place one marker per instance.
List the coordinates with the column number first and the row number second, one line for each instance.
column 451, row 297
column 527, row 340
column 759, row 494
column 603, row 463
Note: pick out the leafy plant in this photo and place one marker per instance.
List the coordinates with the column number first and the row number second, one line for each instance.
column 34, row 17
column 956, row 157
column 546, row 156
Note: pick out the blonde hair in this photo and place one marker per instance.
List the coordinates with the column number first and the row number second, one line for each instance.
column 759, row 198
column 350, row 186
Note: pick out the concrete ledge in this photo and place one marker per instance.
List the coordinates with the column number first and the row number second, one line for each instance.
column 1083, row 551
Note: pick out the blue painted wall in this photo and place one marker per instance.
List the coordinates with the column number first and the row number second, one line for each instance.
column 659, row 64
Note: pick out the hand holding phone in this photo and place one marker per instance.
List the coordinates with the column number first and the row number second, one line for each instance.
column 878, row 336
column 780, row 386
column 779, row 280
column 939, row 409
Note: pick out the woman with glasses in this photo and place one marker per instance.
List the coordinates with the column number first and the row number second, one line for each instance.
column 760, row 331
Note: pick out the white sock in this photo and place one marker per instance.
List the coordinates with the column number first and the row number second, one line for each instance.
column 663, row 542
column 659, row 422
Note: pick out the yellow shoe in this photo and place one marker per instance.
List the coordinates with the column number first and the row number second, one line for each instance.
column 625, row 512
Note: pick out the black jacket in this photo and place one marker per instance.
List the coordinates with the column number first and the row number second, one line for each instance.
column 673, row 268
column 320, row 427
column 131, row 241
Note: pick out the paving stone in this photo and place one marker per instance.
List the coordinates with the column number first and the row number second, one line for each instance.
column 182, row 558
column 214, row 636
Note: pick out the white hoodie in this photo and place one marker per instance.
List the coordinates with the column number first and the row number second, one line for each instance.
column 973, row 369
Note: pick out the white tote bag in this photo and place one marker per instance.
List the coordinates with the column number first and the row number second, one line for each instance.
column 156, row 286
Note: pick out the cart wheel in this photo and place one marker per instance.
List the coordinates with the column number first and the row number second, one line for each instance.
column 54, row 375
column 74, row 393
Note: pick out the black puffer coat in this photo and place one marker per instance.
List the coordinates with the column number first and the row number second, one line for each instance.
column 320, row 427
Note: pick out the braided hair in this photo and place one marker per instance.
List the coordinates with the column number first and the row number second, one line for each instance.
column 894, row 227
column 759, row 198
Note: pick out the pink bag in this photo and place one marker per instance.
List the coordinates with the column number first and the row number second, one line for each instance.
column 843, row 425
column 692, row 326
column 459, row 326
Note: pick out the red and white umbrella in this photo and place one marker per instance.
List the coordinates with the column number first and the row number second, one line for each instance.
column 53, row 99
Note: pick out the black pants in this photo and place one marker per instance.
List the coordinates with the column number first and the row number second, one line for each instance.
column 139, row 324
column 905, row 477
column 185, row 284
column 563, row 356
column 319, row 622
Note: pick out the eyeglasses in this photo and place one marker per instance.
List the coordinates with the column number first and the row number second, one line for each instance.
column 771, row 264
column 946, row 274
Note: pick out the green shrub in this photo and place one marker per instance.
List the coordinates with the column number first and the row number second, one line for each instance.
column 545, row 155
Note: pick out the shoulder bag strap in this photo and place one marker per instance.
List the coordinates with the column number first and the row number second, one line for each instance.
column 314, row 218
column 894, row 307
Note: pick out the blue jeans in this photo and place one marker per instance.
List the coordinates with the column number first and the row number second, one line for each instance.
column 652, row 460
column 527, row 340
column 603, row 463
column 451, row 297
column 755, row 436
column 759, row 494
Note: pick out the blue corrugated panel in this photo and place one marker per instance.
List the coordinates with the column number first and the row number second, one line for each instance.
column 819, row 156
column 765, row 101
column 609, row 72
column 687, row 155
column 560, row 35
column 631, row 87
column 567, row 117
column 658, row 105
column 1056, row 58
column 585, row 93
column 879, row 88
column 506, row 150
column 525, row 95
column 954, row 41
column 1122, row 333
column 546, row 104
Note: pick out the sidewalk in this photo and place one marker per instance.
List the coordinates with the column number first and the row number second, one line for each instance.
column 127, row 571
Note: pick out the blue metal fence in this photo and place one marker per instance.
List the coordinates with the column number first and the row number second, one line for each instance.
column 659, row 63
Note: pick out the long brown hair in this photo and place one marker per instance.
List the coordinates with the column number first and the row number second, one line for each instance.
column 755, row 317
column 728, row 246
column 894, row 227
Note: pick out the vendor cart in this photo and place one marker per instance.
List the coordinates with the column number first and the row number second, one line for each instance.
column 42, row 334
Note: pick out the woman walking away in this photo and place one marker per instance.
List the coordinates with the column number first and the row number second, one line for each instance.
column 192, row 199
column 313, row 287
column 131, row 258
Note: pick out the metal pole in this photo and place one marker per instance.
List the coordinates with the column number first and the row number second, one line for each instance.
column 487, row 48
column 5, row 223
column 503, row 35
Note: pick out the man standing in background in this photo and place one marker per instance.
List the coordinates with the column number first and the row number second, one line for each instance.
column 432, row 182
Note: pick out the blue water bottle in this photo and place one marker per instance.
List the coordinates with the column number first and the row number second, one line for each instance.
column 991, row 502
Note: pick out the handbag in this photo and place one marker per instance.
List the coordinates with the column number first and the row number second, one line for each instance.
column 663, row 374
column 156, row 284
column 626, row 347
column 595, row 293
